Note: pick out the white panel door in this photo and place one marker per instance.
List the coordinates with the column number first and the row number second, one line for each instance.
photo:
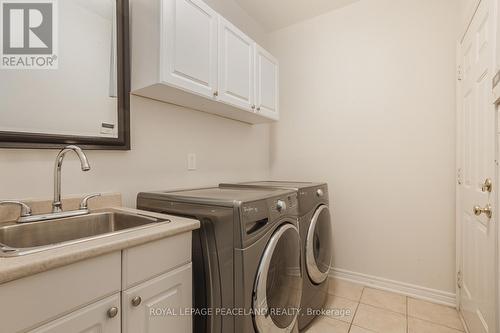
column 157, row 305
column 188, row 56
column 95, row 318
column 476, row 119
column 236, row 74
column 266, row 83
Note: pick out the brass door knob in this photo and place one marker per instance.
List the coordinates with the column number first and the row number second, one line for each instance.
column 112, row 312
column 486, row 211
column 487, row 185
column 136, row 301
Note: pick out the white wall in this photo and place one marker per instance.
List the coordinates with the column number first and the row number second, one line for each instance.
column 368, row 104
column 162, row 136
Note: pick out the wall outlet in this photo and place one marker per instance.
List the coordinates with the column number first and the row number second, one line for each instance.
column 191, row 161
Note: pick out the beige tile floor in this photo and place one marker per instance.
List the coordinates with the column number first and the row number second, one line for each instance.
column 368, row 310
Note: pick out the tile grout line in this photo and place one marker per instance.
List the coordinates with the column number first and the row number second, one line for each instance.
column 407, row 320
column 436, row 324
column 357, row 307
column 381, row 308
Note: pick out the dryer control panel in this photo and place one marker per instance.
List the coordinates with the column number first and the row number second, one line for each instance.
column 257, row 217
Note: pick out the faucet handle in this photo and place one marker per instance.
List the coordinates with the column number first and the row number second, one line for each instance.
column 25, row 209
column 85, row 200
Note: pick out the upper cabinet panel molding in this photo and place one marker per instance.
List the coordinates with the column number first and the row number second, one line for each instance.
column 185, row 53
column 266, row 83
column 189, row 46
column 236, row 67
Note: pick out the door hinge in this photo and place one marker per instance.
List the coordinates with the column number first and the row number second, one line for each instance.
column 459, row 73
column 459, row 280
column 459, row 176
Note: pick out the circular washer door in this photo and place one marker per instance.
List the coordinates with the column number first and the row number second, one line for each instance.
column 319, row 245
column 278, row 285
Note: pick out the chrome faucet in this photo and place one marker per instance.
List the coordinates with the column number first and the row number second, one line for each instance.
column 25, row 209
column 57, row 212
column 57, row 204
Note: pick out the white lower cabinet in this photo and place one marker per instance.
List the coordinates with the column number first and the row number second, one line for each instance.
column 100, row 317
column 159, row 305
column 112, row 293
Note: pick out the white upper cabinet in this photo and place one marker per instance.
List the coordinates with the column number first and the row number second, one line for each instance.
column 189, row 46
column 236, row 66
column 266, row 83
column 185, row 53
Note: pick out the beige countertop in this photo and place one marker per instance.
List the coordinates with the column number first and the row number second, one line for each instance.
column 13, row 268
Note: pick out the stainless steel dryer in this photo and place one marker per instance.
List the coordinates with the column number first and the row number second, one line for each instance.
column 316, row 235
column 246, row 257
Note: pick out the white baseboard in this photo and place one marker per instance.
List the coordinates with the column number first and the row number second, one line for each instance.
column 428, row 294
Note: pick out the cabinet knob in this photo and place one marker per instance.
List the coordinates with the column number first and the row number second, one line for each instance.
column 136, row 301
column 216, row 93
column 258, row 108
column 112, row 312
column 253, row 107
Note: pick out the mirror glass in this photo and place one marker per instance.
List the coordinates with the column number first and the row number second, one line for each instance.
column 71, row 89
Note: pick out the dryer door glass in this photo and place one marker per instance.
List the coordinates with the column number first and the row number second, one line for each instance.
column 278, row 287
column 319, row 245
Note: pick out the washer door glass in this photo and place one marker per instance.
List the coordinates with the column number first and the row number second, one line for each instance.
column 319, row 245
column 278, row 286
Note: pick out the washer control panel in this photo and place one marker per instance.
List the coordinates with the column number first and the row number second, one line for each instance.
column 280, row 205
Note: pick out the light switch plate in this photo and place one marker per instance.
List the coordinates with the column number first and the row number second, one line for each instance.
column 191, row 161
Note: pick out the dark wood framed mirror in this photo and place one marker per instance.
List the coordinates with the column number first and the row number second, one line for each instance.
column 85, row 98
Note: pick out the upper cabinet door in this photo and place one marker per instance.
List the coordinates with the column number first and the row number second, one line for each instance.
column 236, row 61
column 189, row 46
column 266, row 84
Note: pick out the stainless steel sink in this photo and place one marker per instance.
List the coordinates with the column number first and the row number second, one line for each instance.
column 19, row 239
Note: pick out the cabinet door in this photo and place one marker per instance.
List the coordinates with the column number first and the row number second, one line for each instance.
column 188, row 56
column 158, row 305
column 266, row 83
column 236, row 74
column 95, row 318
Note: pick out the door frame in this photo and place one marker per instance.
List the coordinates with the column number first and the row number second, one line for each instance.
column 496, row 205
column 496, row 176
